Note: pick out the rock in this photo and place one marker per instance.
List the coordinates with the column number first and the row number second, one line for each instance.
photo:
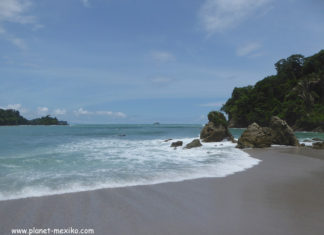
column 259, row 137
column 317, row 139
column 167, row 140
column 216, row 129
column 318, row 145
column 193, row 144
column 176, row 144
column 302, row 145
column 282, row 133
column 255, row 137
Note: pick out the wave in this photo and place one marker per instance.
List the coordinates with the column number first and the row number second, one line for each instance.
column 98, row 163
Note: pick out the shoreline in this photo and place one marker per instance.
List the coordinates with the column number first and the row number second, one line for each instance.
column 283, row 194
column 217, row 168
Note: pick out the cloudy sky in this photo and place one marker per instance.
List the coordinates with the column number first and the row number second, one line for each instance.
column 141, row 61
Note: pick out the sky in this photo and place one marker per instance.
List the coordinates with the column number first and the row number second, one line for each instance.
column 144, row 61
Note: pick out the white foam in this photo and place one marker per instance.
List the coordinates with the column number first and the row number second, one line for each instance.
column 151, row 162
column 307, row 141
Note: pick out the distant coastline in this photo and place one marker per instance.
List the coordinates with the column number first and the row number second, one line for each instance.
column 10, row 117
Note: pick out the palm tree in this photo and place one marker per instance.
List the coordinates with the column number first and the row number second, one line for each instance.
column 304, row 91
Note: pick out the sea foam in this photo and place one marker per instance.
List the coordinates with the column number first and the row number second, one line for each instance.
column 97, row 163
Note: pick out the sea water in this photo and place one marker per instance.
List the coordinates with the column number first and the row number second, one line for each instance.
column 47, row 160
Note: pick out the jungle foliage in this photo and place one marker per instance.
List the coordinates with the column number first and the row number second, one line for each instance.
column 295, row 94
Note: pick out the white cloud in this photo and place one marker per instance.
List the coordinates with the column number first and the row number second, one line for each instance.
column 120, row 114
column 248, row 49
column 42, row 111
column 14, row 11
column 20, row 43
column 13, row 106
column 216, row 104
column 82, row 111
column 59, row 112
column 219, row 15
column 17, row 107
column 111, row 114
column 86, row 3
column 162, row 56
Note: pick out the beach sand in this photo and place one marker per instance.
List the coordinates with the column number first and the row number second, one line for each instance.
column 284, row 194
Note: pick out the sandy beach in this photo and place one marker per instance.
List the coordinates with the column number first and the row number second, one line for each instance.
column 284, row 194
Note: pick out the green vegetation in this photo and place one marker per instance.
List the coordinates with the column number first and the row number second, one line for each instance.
column 11, row 117
column 217, row 118
column 295, row 94
column 47, row 120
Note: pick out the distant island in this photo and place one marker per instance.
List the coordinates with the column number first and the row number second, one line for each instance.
column 10, row 117
column 295, row 94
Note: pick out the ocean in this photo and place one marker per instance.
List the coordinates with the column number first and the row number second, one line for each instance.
column 48, row 160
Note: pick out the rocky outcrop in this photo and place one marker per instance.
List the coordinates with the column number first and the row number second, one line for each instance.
column 193, row 144
column 282, row 133
column 255, row 137
column 279, row 133
column 176, row 144
column 216, row 129
column 318, row 145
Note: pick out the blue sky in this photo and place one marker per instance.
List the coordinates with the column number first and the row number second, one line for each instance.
column 141, row 61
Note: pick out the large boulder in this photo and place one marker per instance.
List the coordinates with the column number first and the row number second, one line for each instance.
column 282, row 133
column 255, row 137
column 279, row 132
column 216, row 129
column 193, row 144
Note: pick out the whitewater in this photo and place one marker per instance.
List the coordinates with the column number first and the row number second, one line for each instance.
column 47, row 160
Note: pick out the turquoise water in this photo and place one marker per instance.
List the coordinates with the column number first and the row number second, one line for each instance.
column 45, row 160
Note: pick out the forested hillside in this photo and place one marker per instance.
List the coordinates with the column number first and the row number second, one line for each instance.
column 295, row 94
column 9, row 117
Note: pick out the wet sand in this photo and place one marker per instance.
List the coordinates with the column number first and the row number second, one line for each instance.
column 284, row 194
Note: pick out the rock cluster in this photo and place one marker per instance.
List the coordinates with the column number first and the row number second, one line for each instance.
column 255, row 136
column 279, row 132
